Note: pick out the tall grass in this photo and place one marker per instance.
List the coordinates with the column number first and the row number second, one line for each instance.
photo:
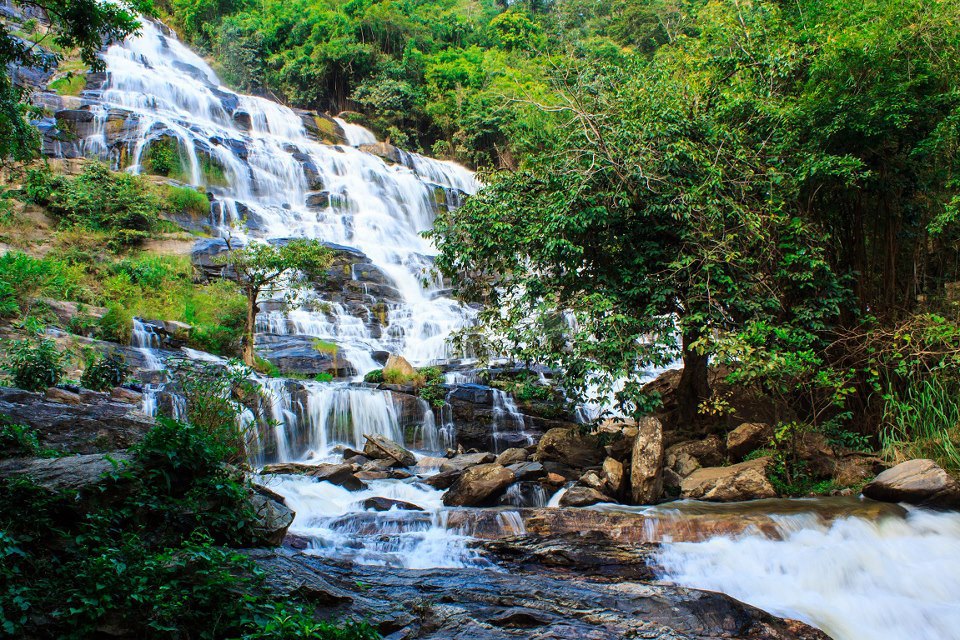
column 924, row 422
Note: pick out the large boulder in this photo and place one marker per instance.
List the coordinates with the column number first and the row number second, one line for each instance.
column 464, row 461
column 95, row 422
column 400, row 366
column 380, row 448
column 686, row 457
column 919, row 482
column 479, row 486
column 513, row 455
column 273, row 516
column 582, row 497
column 744, row 481
column 748, row 437
column 613, row 476
column 571, row 447
column 646, row 465
column 379, row 503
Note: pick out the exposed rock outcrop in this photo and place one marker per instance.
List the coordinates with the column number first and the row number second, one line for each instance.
column 920, row 482
column 479, row 486
column 744, row 481
column 380, row 448
column 646, row 466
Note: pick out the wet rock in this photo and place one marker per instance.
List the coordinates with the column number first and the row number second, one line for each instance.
column 385, row 150
column 273, row 516
column 380, row 448
column 466, row 460
column 748, row 437
column 744, row 481
column 378, row 503
column 96, row 423
column 339, row 474
column 320, row 200
column 443, row 480
column 582, row 497
column 920, row 482
column 478, row 486
column 569, row 447
column 299, row 354
column 242, row 120
column 289, row 579
column 646, row 479
column 383, row 466
column 511, row 456
column 528, row 471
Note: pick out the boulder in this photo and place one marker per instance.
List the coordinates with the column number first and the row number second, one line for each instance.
column 378, row 503
column 528, row 470
column 744, row 481
column 443, row 480
column 380, row 448
column 512, row 455
column 400, row 365
column 582, row 497
column 478, row 486
column 748, row 437
column 570, row 447
column 97, row 423
column 646, row 465
column 707, row 452
column 466, row 460
column 339, row 474
column 613, row 476
column 273, row 516
column 920, row 482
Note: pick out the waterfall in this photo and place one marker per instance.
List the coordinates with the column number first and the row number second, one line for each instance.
column 271, row 178
column 507, row 426
column 856, row 579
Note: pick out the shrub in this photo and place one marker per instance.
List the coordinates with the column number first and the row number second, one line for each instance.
column 34, row 364
column 323, row 376
column 116, row 325
column 17, row 440
column 104, row 371
column 188, row 200
column 375, row 376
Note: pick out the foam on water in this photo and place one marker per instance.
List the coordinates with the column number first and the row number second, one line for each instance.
column 857, row 579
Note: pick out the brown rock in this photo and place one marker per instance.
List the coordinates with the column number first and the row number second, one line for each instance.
column 400, row 365
column 380, row 448
column 466, row 460
column 378, row 503
column 128, row 396
column 646, row 478
column 613, row 475
column 443, row 480
column 748, row 437
column 582, row 497
column 707, row 452
column 339, row 474
column 919, row 482
column 513, row 455
column 555, row 479
column 56, row 394
column 744, row 481
column 568, row 446
column 478, row 486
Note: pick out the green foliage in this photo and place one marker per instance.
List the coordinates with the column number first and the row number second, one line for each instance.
column 435, row 394
column 104, row 371
column 187, row 200
column 98, row 200
column 923, row 421
column 69, row 85
column 116, row 325
column 374, row 377
column 164, row 158
column 34, row 363
column 323, row 376
column 147, row 558
column 18, row 440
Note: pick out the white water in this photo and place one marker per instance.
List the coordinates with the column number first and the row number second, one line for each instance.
column 377, row 208
column 892, row 579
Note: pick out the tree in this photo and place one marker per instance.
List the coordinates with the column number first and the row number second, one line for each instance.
column 85, row 25
column 267, row 268
column 660, row 209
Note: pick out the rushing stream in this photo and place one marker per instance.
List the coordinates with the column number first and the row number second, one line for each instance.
column 858, row 578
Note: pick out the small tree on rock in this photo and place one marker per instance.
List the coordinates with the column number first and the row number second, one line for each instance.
column 266, row 268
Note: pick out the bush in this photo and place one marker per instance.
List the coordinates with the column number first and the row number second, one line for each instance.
column 188, row 200
column 103, row 372
column 18, row 440
column 116, row 325
column 34, row 364
column 374, row 377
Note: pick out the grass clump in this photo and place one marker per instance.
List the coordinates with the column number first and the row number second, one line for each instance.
column 69, row 85
column 187, row 200
column 923, row 421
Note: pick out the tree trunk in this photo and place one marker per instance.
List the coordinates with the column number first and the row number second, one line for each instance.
column 249, row 355
column 693, row 387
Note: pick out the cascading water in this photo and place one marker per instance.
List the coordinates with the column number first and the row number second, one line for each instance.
column 268, row 174
column 857, row 579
